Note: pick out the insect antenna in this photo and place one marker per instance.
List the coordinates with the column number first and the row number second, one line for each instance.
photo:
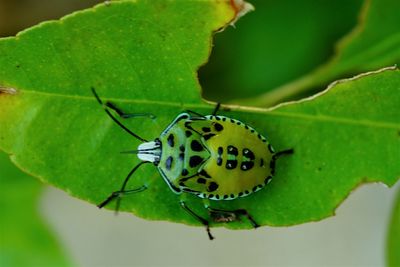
column 130, row 152
column 143, row 151
column 115, row 119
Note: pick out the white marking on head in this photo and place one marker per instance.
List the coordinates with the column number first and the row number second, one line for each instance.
column 149, row 151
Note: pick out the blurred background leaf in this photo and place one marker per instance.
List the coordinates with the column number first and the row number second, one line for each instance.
column 292, row 56
column 278, row 42
column 25, row 239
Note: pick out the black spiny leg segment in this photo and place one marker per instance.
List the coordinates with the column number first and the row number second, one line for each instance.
column 216, row 109
column 200, row 219
column 118, row 194
column 200, row 116
column 124, row 115
column 219, row 215
column 196, row 114
column 283, row 152
column 278, row 155
column 119, row 112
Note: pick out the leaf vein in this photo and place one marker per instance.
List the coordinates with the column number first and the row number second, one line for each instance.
column 326, row 118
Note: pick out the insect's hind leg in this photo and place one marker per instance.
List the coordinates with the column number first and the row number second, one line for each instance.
column 278, row 155
column 283, row 152
column 198, row 218
column 220, row 215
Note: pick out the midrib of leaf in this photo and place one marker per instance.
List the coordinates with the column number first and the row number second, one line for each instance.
column 339, row 120
column 120, row 100
column 270, row 112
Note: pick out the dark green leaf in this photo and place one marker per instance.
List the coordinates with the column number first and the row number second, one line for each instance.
column 277, row 43
column 374, row 43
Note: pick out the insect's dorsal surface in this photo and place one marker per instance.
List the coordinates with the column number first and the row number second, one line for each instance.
column 183, row 152
column 214, row 157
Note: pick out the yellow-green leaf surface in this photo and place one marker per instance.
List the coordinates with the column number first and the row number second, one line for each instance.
column 144, row 58
column 374, row 43
column 393, row 242
column 25, row 239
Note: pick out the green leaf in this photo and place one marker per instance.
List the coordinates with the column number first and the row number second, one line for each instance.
column 57, row 131
column 277, row 43
column 374, row 43
column 25, row 240
column 393, row 240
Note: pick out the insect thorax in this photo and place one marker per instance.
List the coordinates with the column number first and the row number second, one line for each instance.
column 183, row 152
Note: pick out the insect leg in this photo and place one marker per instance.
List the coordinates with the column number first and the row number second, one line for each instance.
column 197, row 217
column 277, row 155
column 118, row 194
column 115, row 119
column 216, row 109
column 283, row 152
column 220, row 215
column 124, row 115
column 195, row 113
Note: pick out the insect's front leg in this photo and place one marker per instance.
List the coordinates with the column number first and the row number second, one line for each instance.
column 118, row 194
column 216, row 109
column 109, row 105
column 200, row 116
column 122, row 192
column 125, row 115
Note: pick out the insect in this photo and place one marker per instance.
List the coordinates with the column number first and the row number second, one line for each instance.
column 213, row 157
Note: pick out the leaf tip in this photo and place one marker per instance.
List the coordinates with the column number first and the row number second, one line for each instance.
column 241, row 8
